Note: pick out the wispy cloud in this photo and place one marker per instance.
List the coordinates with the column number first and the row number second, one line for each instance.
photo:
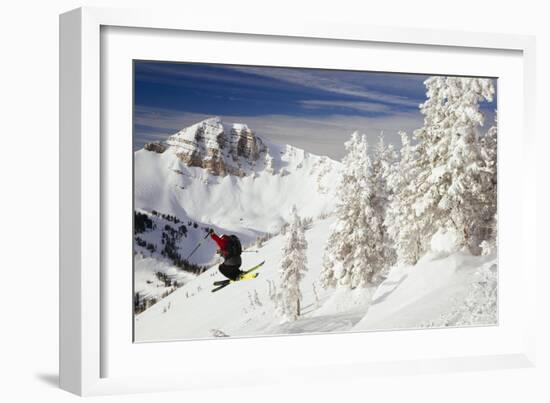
column 179, row 74
column 402, row 91
column 358, row 106
column 330, row 81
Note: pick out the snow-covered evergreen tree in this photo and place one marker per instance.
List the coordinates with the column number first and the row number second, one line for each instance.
column 269, row 164
column 447, row 192
column 401, row 218
column 293, row 268
column 358, row 249
column 488, row 202
column 328, row 277
column 350, row 211
column 383, row 163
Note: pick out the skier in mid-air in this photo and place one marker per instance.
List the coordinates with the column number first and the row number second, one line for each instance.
column 229, row 247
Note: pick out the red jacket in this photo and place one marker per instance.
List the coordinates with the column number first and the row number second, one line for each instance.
column 221, row 242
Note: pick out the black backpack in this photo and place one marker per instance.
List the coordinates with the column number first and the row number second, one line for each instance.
column 233, row 247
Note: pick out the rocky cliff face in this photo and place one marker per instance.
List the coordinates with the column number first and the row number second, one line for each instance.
column 155, row 147
column 208, row 145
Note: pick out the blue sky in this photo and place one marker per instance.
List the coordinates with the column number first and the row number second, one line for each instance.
column 310, row 108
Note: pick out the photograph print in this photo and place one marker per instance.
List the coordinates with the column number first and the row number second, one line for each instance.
column 283, row 200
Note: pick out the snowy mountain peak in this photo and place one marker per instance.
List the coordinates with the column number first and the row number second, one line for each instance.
column 240, row 126
column 207, row 133
column 207, row 144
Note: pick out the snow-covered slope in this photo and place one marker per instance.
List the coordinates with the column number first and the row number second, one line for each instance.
column 154, row 278
column 245, row 308
column 436, row 292
column 428, row 293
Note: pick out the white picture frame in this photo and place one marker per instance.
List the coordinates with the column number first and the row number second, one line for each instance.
column 94, row 348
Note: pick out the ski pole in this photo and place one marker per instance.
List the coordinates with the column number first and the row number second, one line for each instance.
column 250, row 251
column 197, row 247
